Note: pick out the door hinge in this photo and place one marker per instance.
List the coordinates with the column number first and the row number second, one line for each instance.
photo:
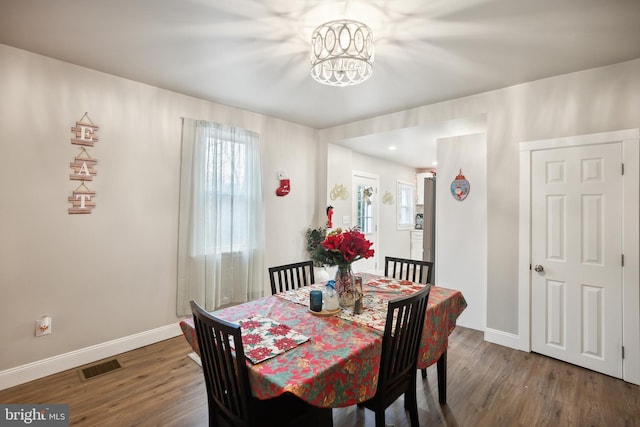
column 623, row 352
column 529, row 266
column 622, row 169
column 622, row 260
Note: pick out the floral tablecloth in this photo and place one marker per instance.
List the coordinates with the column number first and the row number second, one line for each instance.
column 338, row 365
column 444, row 308
column 374, row 313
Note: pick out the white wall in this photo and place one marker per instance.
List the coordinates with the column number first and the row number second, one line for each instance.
column 341, row 164
column 339, row 174
column 596, row 100
column 461, row 230
column 391, row 241
column 112, row 274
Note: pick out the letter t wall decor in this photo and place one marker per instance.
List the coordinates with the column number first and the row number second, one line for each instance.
column 83, row 166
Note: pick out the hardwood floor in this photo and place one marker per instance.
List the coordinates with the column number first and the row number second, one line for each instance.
column 488, row 385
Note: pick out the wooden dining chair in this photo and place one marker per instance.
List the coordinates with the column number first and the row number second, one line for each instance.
column 408, row 269
column 400, row 346
column 291, row 276
column 227, row 380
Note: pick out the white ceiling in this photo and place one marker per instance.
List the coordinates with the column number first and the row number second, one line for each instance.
column 414, row 146
column 253, row 54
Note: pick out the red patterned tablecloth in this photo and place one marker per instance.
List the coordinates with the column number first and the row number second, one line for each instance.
column 339, row 364
column 445, row 306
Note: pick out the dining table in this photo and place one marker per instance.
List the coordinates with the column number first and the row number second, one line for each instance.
column 331, row 359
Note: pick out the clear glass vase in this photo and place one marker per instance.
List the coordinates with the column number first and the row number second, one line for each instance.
column 345, row 286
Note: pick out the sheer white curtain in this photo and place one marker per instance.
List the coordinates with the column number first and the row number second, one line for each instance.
column 221, row 227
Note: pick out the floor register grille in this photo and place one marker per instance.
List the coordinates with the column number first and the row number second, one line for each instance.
column 99, row 369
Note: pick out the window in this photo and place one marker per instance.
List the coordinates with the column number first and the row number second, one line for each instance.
column 226, row 171
column 406, row 205
column 221, row 222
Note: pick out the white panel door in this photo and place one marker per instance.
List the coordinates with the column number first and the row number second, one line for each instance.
column 576, row 235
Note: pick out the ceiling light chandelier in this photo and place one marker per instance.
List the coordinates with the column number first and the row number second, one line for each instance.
column 342, row 53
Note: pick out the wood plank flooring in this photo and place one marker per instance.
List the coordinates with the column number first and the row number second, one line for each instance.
column 488, row 385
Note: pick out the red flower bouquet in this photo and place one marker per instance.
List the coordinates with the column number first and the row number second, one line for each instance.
column 341, row 248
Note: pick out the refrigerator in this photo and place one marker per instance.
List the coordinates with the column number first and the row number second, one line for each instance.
column 429, row 222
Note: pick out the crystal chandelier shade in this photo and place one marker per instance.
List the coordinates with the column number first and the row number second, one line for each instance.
column 342, row 53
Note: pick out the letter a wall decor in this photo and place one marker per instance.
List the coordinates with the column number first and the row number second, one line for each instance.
column 83, row 166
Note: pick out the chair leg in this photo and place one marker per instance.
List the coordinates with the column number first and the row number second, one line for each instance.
column 424, row 372
column 442, row 378
column 380, row 417
column 323, row 416
column 411, row 404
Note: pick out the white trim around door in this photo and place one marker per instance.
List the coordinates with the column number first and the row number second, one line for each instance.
column 630, row 140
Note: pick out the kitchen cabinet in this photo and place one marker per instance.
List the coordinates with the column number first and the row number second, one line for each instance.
column 416, row 244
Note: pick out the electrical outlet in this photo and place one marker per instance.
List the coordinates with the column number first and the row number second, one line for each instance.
column 43, row 326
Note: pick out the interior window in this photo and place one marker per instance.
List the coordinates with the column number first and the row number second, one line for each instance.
column 406, row 205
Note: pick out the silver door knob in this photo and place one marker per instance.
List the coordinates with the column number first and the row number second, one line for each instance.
column 538, row 268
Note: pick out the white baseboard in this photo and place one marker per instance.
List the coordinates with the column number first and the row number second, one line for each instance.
column 502, row 338
column 62, row 362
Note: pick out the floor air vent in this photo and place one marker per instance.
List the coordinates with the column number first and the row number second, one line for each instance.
column 99, row 369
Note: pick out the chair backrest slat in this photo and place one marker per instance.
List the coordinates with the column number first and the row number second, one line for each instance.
column 408, row 269
column 291, row 276
column 401, row 339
